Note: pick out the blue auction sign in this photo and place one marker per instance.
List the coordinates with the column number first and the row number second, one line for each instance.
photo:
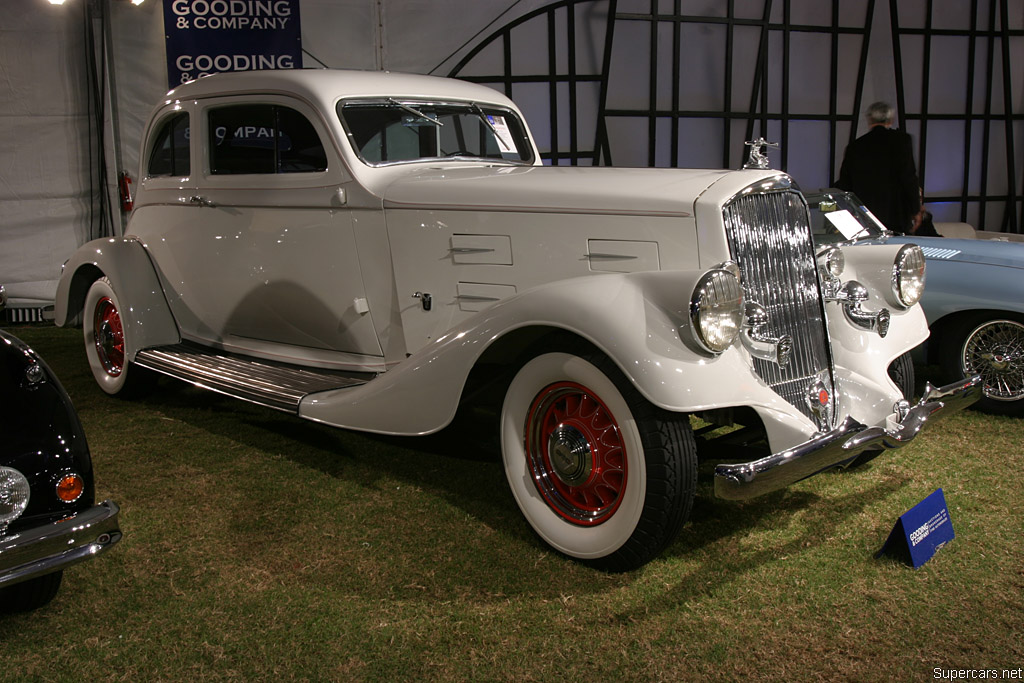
column 209, row 36
column 920, row 531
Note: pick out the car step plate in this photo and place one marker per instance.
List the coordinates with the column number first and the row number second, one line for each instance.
column 275, row 385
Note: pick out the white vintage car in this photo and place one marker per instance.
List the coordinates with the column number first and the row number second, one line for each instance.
column 373, row 250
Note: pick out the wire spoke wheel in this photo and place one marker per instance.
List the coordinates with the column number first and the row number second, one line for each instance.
column 995, row 350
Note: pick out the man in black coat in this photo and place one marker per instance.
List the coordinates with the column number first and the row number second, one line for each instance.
column 879, row 168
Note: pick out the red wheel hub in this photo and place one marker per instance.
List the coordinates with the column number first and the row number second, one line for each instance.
column 109, row 337
column 575, row 452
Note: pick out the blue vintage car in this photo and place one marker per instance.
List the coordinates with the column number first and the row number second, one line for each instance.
column 973, row 299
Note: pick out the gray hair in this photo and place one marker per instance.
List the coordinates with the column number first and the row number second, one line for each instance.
column 879, row 112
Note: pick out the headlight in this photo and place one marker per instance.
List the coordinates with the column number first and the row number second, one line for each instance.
column 908, row 275
column 14, row 493
column 716, row 309
column 831, row 261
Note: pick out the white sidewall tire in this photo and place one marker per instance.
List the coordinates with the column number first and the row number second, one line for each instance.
column 112, row 384
column 584, row 542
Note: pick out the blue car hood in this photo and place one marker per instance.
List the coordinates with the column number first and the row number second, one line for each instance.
column 988, row 252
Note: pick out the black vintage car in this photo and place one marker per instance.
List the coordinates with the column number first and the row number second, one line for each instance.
column 48, row 516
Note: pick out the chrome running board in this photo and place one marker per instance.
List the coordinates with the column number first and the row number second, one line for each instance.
column 274, row 385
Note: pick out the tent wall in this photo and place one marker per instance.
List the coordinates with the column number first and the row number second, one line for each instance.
column 629, row 82
column 47, row 185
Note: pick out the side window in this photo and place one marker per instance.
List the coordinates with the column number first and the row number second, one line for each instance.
column 263, row 138
column 168, row 154
column 303, row 152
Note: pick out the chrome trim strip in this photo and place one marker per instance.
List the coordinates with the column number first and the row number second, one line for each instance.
column 777, row 183
column 50, row 547
column 939, row 253
column 841, row 445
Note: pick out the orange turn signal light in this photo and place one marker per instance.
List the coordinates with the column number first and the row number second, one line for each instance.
column 70, row 487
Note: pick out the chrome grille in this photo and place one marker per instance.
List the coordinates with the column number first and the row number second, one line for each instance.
column 769, row 237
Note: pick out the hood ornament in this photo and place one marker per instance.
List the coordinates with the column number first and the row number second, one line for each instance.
column 758, row 158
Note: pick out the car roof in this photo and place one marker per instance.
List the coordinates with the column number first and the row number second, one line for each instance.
column 329, row 85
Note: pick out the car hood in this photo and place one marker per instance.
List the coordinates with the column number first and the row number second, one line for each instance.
column 988, row 252
column 602, row 190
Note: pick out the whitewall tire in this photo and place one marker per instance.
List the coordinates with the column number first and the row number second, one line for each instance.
column 104, row 336
column 599, row 473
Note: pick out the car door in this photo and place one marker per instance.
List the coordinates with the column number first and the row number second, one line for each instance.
column 266, row 260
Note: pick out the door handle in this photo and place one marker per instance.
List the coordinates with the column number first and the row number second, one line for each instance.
column 425, row 299
column 199, row 200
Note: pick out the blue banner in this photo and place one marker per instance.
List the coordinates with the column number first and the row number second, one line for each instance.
column 210, row 36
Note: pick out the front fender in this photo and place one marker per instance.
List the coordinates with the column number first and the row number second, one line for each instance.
column 144, row 311
column 862, row 355
column 639, row 320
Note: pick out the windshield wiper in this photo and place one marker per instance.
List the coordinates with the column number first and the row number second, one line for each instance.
column 483, row 117
column 414, row 112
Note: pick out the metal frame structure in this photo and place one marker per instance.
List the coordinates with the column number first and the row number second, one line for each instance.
column 571, row 76
column 757, row 114
column 758, row 111
column 997, row 35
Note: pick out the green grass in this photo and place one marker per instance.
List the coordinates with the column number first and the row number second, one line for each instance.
column 258, row 546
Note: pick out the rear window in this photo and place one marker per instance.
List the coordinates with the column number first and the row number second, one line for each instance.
column 168, row 154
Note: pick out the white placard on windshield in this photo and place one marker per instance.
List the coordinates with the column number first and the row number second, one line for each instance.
column 845, row 223
column 504, row 135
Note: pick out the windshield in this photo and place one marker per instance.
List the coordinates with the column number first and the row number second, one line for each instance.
column 838, row 216
column 389, row 131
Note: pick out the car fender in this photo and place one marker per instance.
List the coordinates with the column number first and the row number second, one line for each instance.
column 144, row 311
column 863, row 355
column 953, row 287
column 639, row 320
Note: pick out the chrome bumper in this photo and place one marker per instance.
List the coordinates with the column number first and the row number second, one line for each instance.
column 841, row 445
column 50, row 547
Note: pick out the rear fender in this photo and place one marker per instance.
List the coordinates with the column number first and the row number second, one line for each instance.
column 144, row 311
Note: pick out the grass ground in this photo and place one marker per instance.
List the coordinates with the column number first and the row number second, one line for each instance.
column 258, row 546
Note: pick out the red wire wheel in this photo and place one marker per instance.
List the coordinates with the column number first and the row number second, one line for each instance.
column 575, row 453
column 109, row 337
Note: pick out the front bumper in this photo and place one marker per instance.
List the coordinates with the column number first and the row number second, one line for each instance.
column 841, row 445
column 52, row 547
